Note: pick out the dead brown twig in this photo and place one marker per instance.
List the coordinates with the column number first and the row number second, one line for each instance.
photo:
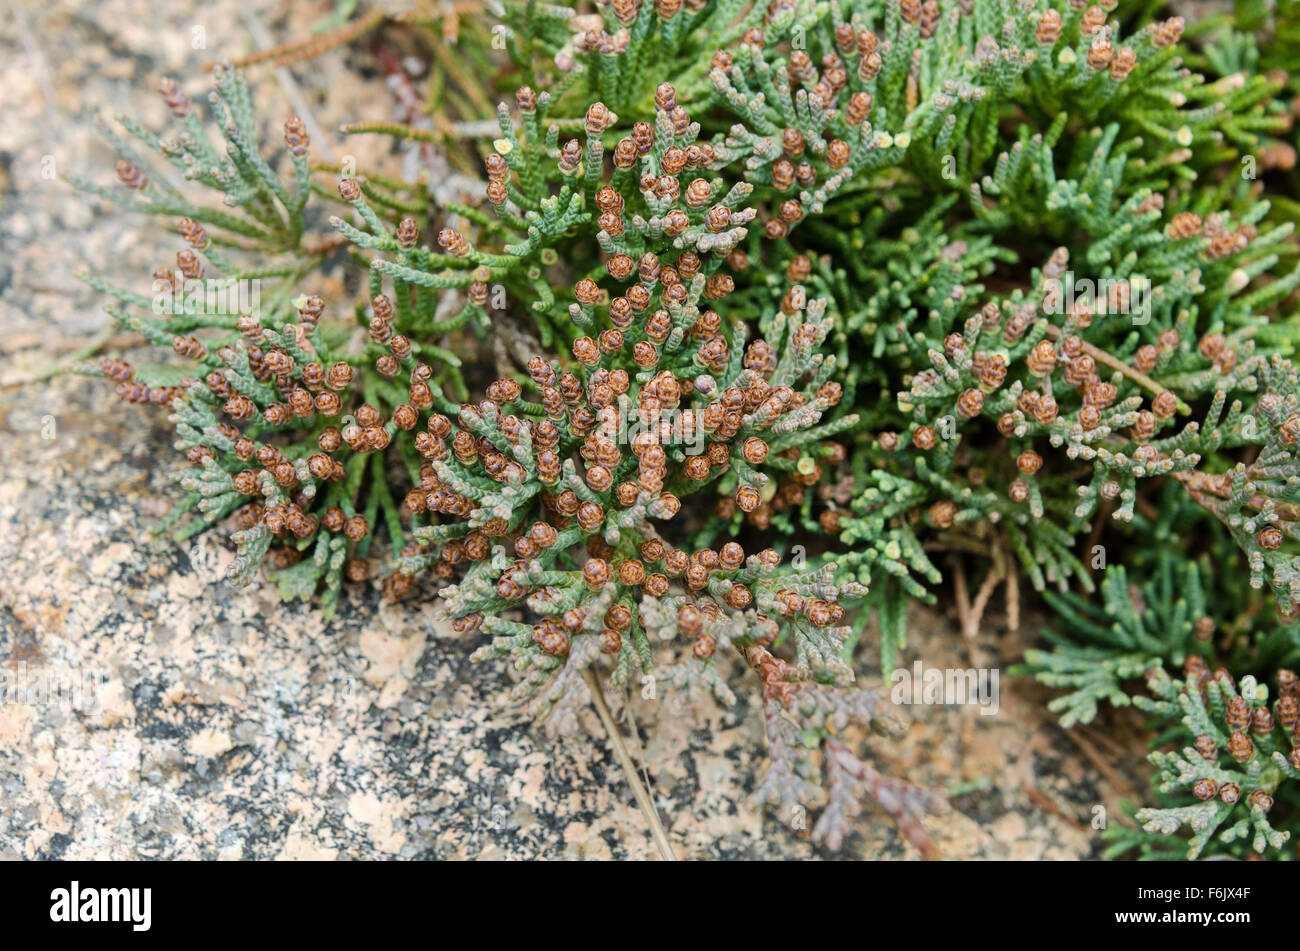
column 1203, row 485
column 639, row 791
column 1101, row 356
column 286, row 53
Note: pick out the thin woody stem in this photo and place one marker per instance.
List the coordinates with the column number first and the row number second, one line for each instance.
column 630, row 773
column 1101, row 356
column 1202, row 485
column 287, row 53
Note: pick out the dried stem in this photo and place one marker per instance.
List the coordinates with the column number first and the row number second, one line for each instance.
column 287, row 53
column 1202, row 485
column 624, row 758
column 1101, row 356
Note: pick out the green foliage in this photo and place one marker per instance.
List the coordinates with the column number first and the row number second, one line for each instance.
column 950, row 230
column 1234, row 751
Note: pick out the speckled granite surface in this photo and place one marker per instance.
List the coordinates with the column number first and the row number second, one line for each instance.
column 223, row 724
